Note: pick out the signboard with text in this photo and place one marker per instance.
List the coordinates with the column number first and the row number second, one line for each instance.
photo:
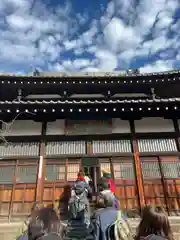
column 88, row 127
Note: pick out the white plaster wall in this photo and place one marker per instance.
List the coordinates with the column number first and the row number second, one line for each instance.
column 56, row 128
column 22, row 128
column 120, row 126
column 150, row 124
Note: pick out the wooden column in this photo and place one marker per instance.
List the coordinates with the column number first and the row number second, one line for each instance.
column 89, row 147
column 138, row 169
column 177, row 133
column 40, row 178
column 13, row 192
column 41, row 167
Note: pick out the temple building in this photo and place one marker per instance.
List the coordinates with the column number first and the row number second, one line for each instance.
column 53, row 124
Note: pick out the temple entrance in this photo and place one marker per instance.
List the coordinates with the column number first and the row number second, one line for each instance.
column 92, row 170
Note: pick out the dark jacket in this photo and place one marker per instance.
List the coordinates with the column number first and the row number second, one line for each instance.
column 34, row 230
column 101, row 220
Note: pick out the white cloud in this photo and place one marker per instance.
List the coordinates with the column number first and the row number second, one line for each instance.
column 33, row 34
column 158, row 66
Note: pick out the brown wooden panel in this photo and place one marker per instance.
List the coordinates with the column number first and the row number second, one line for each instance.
column 4, row 208
column 24, row 197
column 5, row 199
column 124, row 178
column 21, row 208
column 5, row 193
column 152, row 181
column 52, row 193
column 48, row 194
column 170, row 166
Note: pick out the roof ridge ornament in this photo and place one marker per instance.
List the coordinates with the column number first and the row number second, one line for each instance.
column 36, row 73
column 153, row 93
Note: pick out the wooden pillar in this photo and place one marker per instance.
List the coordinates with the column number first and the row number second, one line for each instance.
column 138, row 169
column 89, row 147
column 40, row 178
column 177, row 133
column 41, row 167
column 13, row 192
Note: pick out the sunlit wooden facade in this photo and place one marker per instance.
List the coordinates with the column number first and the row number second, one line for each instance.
column 128, row 124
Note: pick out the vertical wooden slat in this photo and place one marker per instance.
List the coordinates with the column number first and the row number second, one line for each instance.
column 138, row 170
column 89, row 147
column 13, row 192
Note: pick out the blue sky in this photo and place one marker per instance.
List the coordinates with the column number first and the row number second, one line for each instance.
column 89, row 35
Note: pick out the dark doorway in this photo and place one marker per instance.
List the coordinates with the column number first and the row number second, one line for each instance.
column 92, row 170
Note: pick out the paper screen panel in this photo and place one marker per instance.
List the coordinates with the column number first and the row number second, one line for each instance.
column 72, row 171
column 105, row 166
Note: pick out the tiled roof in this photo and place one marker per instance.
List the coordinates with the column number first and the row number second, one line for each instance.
column 158, row 100
column 87, row 74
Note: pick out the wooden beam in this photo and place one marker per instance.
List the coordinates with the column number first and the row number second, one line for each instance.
column 138, row 169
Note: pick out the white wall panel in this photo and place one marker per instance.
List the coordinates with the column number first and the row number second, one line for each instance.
column 64, row 147
column 120, row 126
column 111, row 146
column 22, row 128
column 157, row 145
column 150, row 124
column 55, row 128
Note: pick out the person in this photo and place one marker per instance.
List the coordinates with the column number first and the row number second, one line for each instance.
column 104, row 188
column 106, row 222
column 51, row 226
column 107, row 176
column 79, row 213
column 82, row 181
column 154, row 225
column 34, row 226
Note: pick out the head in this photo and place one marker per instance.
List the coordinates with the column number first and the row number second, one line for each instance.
column 106, row 200
column 35, row 210
column 106, row 174
column 49, row 219
column 154, row 221
column 104, row 185
column 81, row 173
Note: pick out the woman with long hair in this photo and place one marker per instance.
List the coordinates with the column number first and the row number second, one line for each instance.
column 154, row 225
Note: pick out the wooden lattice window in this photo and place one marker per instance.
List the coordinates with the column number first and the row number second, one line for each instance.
column 72, row 171
column 105, row 166
column 150, row 168
column 55, row 172
column 26, row 174
column 7, row 174
column 123, row 169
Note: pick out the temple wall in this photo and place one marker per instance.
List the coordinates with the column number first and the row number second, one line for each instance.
column 56, row 128
column 22, row 128
column 120, row 126
column 147, row 125
column 179, row 123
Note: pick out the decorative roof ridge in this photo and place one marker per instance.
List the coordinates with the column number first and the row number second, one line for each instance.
column 148, row 100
